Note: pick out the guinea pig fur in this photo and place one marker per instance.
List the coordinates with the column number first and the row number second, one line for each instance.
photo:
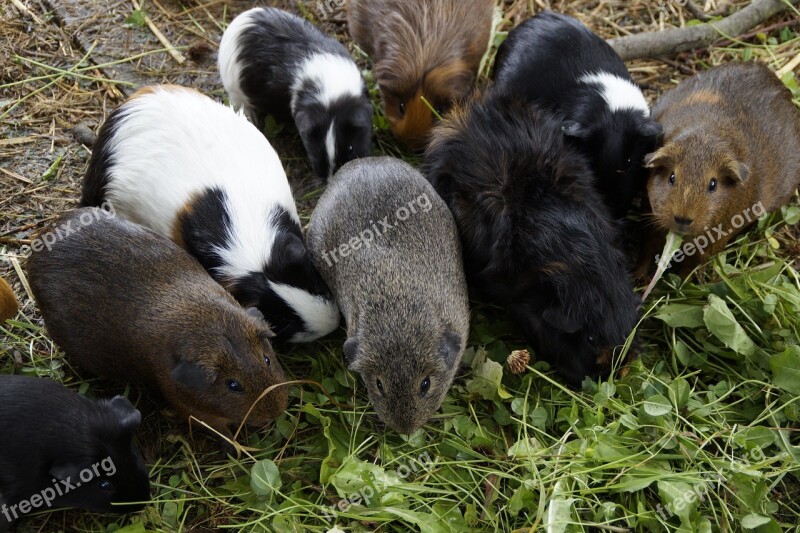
column 74, row 451
column 536, row 235
column 128, row 304
column 425, row 48
column 388, row 247
column 731, row 153
column 554, row 61
column 8, row 301
column 195, row 171
column 276, row 63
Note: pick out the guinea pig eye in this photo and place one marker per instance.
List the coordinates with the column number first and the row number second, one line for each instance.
column 380, row 385
column 402, row 108
column 672, row 179
column 235, row 386
column 105, row 485
column 712, row 186
column 350, row 149
column 425, row 385
column 268, row 360
column 592, row 340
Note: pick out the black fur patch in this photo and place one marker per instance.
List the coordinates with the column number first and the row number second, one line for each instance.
column 96, row 180
column 204, row 225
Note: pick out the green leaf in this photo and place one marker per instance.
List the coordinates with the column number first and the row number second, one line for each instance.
column 657, row 405
column 524, row 449
column 723, row 325
column 487, row 382
column 137, row 527
column 681, row 499
column 558, row 515
column 754, row 520
column 265, row 478
column 786, row 369
column 679, row 391
column 681, row 315
column 135, row 19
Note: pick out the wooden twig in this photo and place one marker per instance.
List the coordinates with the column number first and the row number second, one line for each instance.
column 177, row 56
column 683, row 39
column 697, row 11
column 22, row 7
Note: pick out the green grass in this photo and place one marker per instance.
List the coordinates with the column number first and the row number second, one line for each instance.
column 699, row 433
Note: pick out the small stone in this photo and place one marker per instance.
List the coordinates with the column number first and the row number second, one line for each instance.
column 84, row 134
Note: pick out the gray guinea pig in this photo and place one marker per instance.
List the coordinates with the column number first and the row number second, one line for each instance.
column 61, row 449
column 387, row 246
column 126, row 303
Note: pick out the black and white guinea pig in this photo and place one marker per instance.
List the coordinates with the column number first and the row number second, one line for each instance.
column 556, row 62
column 276, row 63
column 61, row 449
column 199, row 173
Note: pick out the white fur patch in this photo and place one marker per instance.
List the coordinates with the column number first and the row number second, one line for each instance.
column 173, row 143
column 330, row 148
column 321, row 316
column 230, row 68
column 336, row 76
column 618, row 93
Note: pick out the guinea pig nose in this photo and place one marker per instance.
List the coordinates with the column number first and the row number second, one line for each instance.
column 683, row 221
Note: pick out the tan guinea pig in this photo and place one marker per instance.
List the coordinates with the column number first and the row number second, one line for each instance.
column 424, row 48
column 8, row 301
column 128, row 304
column 731, row 153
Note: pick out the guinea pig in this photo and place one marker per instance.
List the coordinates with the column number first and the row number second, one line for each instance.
column 388, row 248
column 427, row 48
column 61, row 449
column 536, row 235
column 276, row 63
column 8, row 301
column 557, row 63
column 128, row 304
column 731, row 153
column 193, row 170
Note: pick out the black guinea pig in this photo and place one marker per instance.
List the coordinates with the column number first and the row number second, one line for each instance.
column 536, row 235
column 60, row 449
column 276, row 63
column 556, row 62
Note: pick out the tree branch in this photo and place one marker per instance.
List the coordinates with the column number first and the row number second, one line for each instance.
column 654, row 44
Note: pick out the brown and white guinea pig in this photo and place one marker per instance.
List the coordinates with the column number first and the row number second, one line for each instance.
column 194, row 170
column 555, row 62
column 731, row 153
column 276, row 63
column 67, row 449
column 388, row 247
column 128, row 304
column 425, row 48
column 536, row 235
column 8, row 301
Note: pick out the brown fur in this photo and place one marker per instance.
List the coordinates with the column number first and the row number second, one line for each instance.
column 429, row 48
column 8, row 301
column 736, row 124
column 126, row 303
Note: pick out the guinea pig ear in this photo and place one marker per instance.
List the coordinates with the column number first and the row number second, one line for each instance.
column 659, row 158
column 737, row 172
column 65, row 471
column 573, row 128
column 450, row 348
column 558, row 318
column 651, row 129
column 191, row 375
column 350, row 350
column 129, row 416
column 306, row 122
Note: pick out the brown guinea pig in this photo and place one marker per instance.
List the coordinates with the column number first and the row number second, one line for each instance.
column 429, row 48
column 8, row 301
column 126, row 303
column 731, row 153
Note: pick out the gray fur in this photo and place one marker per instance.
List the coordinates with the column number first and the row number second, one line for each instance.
column 404, row 297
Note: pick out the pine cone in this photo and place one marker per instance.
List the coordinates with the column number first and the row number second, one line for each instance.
column 518, row 360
